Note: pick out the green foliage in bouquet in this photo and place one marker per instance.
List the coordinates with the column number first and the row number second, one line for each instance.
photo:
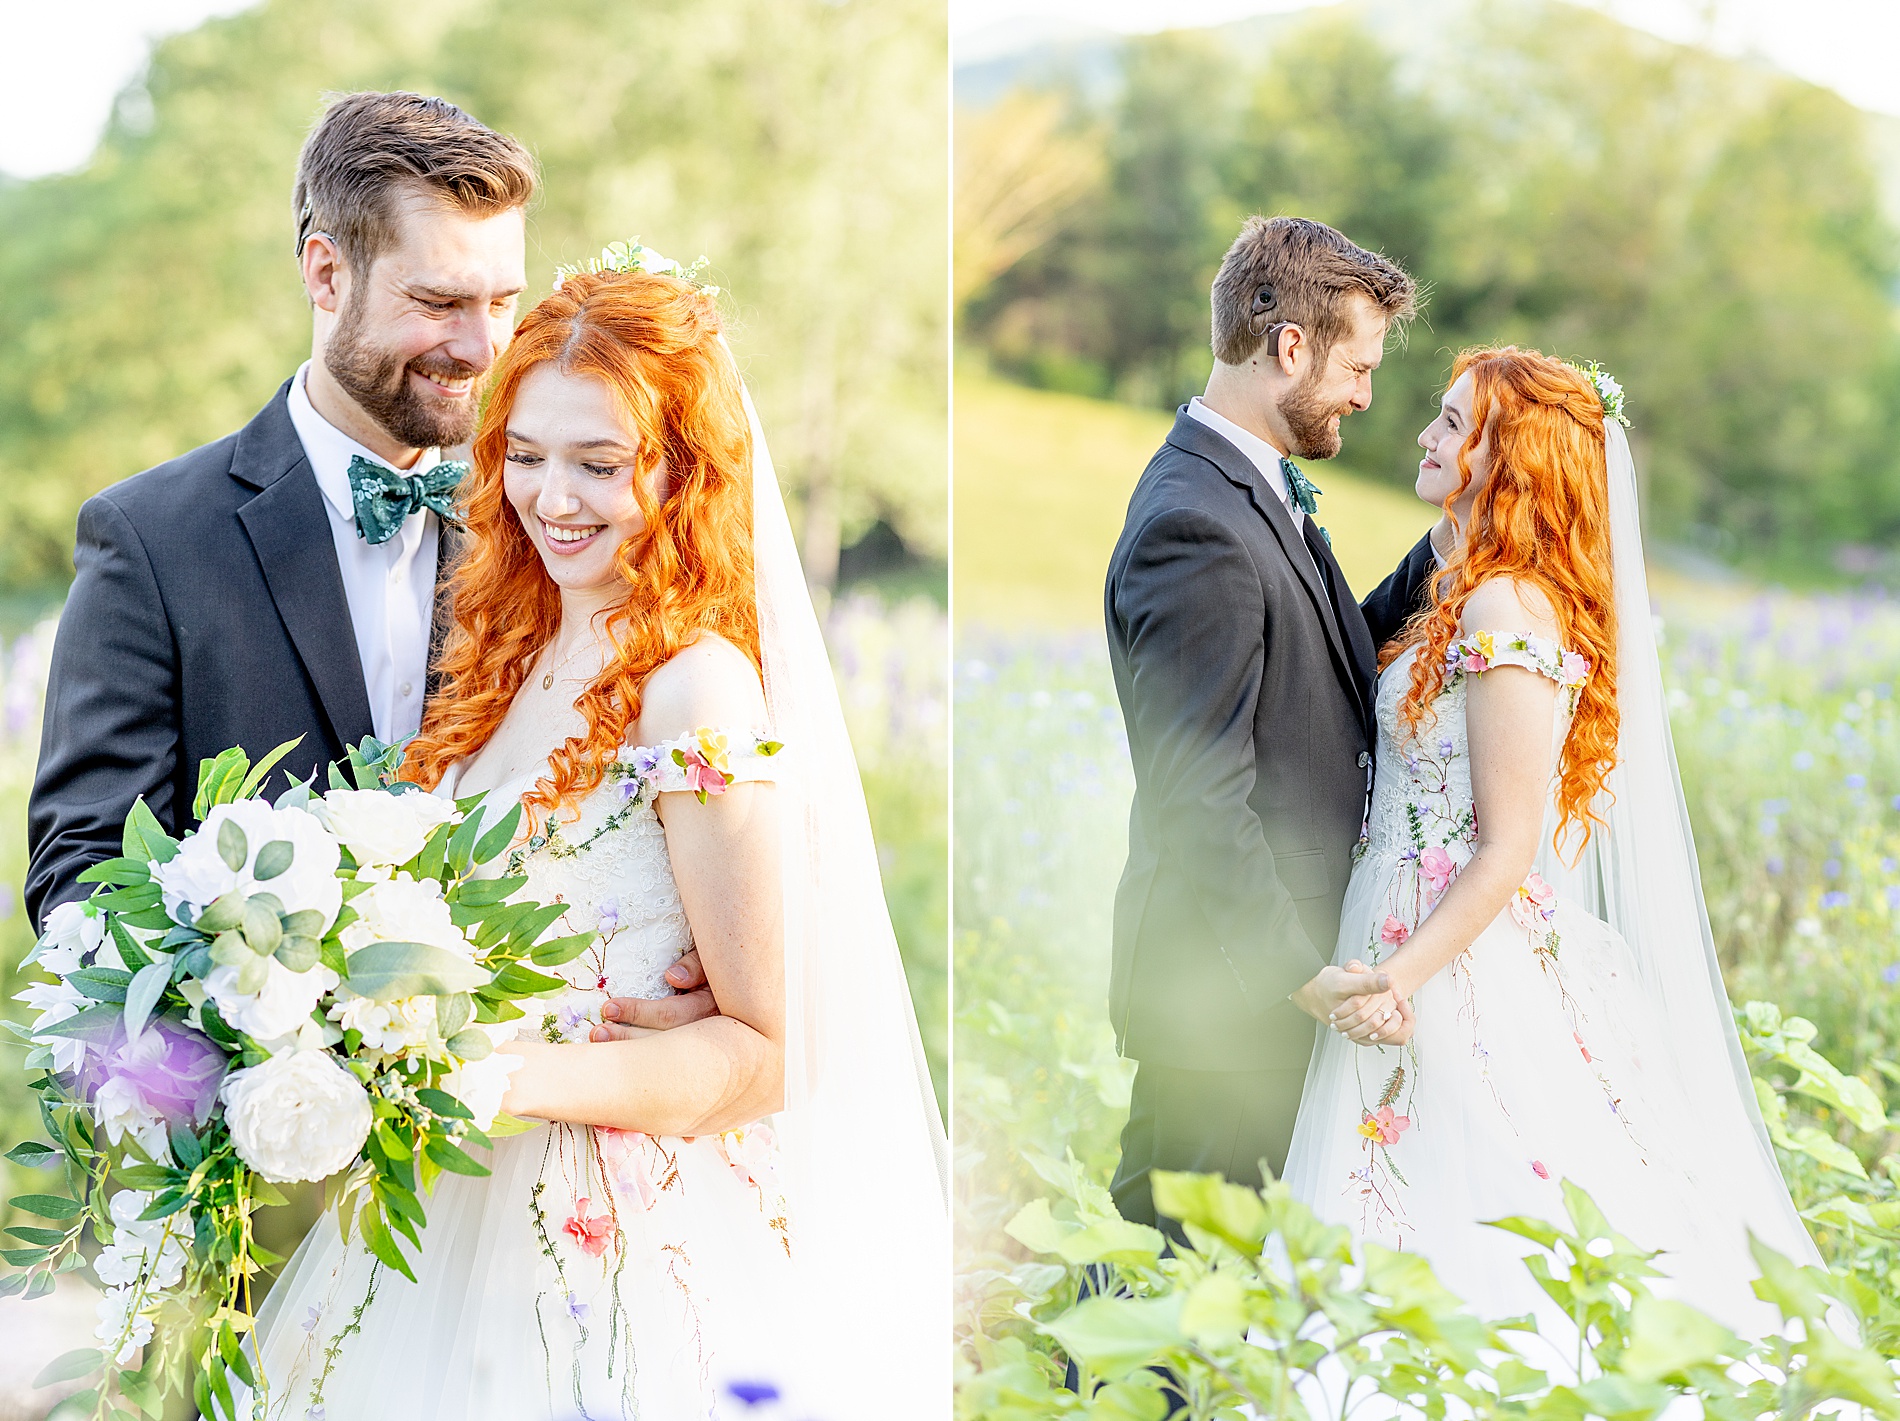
column 308, row 989
column 1271, row 1309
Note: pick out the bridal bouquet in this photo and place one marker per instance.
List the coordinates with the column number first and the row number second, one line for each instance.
column 302, row 989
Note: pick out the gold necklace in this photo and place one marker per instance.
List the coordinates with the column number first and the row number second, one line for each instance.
column 547, row 681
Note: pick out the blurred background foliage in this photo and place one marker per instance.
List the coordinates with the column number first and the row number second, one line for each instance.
column 1714, row 231
column 149, row 302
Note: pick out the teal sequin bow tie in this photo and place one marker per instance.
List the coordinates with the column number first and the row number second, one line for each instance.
column 384, row 497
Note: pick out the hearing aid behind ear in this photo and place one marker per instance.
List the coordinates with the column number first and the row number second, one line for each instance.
column 1260, row 319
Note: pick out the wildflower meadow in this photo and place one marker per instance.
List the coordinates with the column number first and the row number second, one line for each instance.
column 1788, row 734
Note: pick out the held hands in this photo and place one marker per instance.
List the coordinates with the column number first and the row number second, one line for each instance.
column 627, row 1017
column 1359, row 1003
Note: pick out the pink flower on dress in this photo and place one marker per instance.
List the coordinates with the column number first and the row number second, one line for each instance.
column 1537, row 1168
column 1383, row 1127
column 1474, row 662
column 628, row 1155
column 591, row 1234
column 1438, row 869
column 1575, row 669
column 1394, row 931
column 1534, row 904
column 702, row 779
column 750, row 1152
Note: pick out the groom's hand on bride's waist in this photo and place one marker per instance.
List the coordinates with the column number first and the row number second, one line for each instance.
column 623, row 1018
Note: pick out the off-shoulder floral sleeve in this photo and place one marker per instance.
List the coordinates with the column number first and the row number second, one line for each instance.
column 707, row 762
column 1481, row 651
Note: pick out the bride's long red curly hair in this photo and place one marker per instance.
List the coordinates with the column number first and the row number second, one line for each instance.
column 654, row 341
column 1541, row 518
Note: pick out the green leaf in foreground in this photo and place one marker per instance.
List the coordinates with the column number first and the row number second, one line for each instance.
column 68, row 1365
column 386, row 971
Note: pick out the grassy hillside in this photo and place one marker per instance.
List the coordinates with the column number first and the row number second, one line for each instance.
column 1042, row 482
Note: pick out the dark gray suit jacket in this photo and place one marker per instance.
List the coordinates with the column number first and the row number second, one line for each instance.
column 207, row 610
column 1248, row 700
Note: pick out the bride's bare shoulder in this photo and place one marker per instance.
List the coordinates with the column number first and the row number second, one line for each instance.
column 708, row 683
column 1505, row 604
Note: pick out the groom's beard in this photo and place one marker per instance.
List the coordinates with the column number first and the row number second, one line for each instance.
column 378, row 380
column 1309, row 418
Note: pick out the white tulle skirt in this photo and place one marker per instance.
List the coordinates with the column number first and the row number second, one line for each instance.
column 595, row 1273
column 1537, row 1057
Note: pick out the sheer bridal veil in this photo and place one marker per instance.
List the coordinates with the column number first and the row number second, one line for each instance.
column 1639, row 874
column 863, row 1148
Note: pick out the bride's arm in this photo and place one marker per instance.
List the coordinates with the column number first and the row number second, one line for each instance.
column 726, row 1070
column 1510, row 717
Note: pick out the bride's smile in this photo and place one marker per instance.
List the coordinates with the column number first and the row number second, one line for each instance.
column 573, row 469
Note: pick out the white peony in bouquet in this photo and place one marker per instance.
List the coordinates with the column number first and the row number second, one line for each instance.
column 297, row 990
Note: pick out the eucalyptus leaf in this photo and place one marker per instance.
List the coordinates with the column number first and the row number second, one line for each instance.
column 233, row 847
column 471, row 1045
column 452, row 1013
column 273, row 859
column 262, row 927
column 299, row 954
column 69, row 1365
column 386, row 971
column 223, row 913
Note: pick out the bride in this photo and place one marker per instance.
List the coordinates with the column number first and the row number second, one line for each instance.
column 1528, row 884
column 698, row 1215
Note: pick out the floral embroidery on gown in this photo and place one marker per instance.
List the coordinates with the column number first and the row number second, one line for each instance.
column 595, row 1272
column 1527, row 1064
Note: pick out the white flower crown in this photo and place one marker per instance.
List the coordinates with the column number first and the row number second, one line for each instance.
column 631, row 256
column 1608, row 391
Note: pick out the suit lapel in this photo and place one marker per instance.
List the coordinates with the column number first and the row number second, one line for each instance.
column 1193, row 437
column 289, row 530
column 1353, row 623
column 448, row 548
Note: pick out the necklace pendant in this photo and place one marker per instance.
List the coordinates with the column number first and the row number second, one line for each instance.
column 547, row 682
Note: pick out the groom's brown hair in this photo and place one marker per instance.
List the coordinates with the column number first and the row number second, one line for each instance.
column 369, row 147
column 1295, row 271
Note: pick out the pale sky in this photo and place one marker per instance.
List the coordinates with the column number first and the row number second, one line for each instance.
column 65, row 60
column 62, row 62
column 1851, row 46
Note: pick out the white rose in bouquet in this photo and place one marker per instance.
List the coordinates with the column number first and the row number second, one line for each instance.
column 400, row 909
column 198, row 874
column 70, row 934
column 382, row 828
column 297, row 1116
column 276, row 1009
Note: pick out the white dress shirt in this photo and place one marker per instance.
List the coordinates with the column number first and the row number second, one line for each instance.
column 390, row 587
column 1262, row 455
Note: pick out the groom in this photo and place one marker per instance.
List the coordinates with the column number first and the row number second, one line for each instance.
column 1245, row 672
column 282, row 582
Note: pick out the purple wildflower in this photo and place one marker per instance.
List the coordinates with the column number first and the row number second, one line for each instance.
column 1836, row 899
column 1890, row 973
column 577, row 1309
column 1832, row 868
column 753, row 1393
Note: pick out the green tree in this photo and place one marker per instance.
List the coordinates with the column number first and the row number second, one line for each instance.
column 150, row 302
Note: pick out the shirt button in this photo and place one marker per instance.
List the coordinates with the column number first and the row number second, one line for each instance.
column 406, row 688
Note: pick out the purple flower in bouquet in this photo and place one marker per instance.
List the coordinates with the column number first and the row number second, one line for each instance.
column 170, row 1073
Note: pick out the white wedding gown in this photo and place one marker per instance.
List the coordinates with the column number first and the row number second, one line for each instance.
column 1538, row 1056
column 595, row 1273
